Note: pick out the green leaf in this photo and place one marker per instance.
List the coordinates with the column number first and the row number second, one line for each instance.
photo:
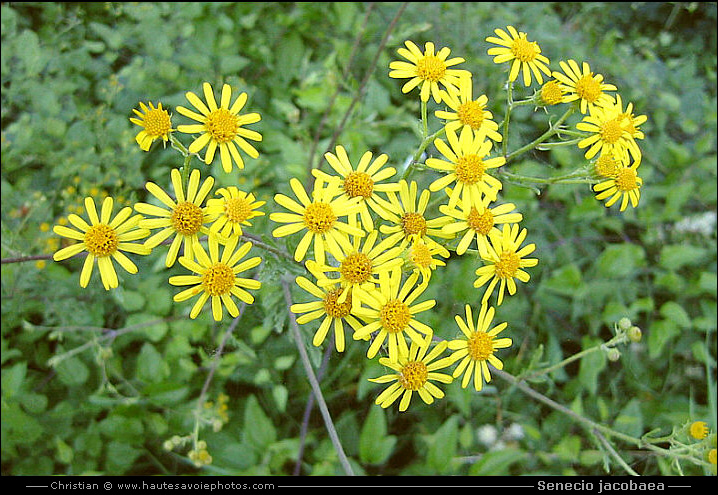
column 620, row 260
column 496, row 463
column 630, row 419
column 660, row 333
column 443, row 446
column 591, row 365
column 120, row 457
column 259, row 432
column 674, row 312
column 676, row 256
column 72, row 371
column 375, row 446
column 12, row 379
column 151, row 366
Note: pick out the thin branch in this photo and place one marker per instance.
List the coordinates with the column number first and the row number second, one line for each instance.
column 315, row 384
column 607, row 445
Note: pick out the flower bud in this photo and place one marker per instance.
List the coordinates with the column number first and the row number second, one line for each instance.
column 634, row 334
column 624, row 324
column 613, row 354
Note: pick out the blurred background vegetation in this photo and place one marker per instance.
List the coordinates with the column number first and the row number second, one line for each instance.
column 97, row 382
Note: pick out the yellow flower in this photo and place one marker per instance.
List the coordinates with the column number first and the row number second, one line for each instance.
column 419, row 257
column 156, row 123
column 526, row 55
column 361, row 182
column 477, row 221
column 319, row 217
column 698, row 430
column 408, row 217
column 467, row 165
column 414, row 372
column 234, row 209
column 468, row 112
column 631, row 123
column 359, row 265
column 607, row 126
column 104, row 239
column 185, row 218
column 216, row 277
column 390, row 313
column 551, row 93
column 505, row 262
column 328, row 306
column 624, row 184
column 608, row 164
column 712, row 456
column 221, row 127
column 427, row 69
column 477, row 349
column 581, row 84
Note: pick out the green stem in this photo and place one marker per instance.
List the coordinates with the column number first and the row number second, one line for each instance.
column 553, row 129
column 618, row 339
column 426, row 141
column 579, row 176
column 186, row 168
column 328, row 423
column 507, row 118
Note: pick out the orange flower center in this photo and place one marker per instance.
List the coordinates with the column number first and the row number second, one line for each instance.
column 430, row 68
column 523, row 50
column 218, row 279
column 101, row 240
column 471, row 114
column 611, row 131
column 356, row 268
column 481, row 223
column 507, row 265
column 334, row 309
column 551, row 93
column 319, row 217
column 237, row 209
column 358, row 184
column 413, row 223
column 587, row 88
column 480, row 346
column 187, row 218
column 395, row 316
column 626, row 179
column 222, row 125
column 157, row 122
column 414, row 375
column 469, row 169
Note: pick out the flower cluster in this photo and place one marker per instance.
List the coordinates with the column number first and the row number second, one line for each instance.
column 609, row 129
column 186, row 216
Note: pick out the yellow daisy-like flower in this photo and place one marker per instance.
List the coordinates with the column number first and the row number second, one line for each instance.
column 361, row 182
column 468, row 112
column 551, row 93
column 234, row 209
column 625, row 185
column 156, row 123
column 608, row 133
column 477, row 220
column 104, row 239
column 526, row 55
column 221, row 127
column 408, row 216
column 185, row 218
column 359, row 265
column 712, row 456
column 328, row 306
column 582, row 84
column 217, row 277
column 427, row 69
column 698, row 430
column 506, row 261
column 319, row 217
column 420, row 257
column 391, row 315
column 414, row 372
column 477, row 349
column 467, row 166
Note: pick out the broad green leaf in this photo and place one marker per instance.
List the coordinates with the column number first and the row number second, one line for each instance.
column 12, row 379
column 443, row 447
column 630, row 419
column 496, row 463
column 375, row 446
column 259, row 431
column 620, row 260
column 591, row 366
column 676, row 256
column 674, row 312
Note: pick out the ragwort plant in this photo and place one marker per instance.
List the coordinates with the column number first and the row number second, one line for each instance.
column 369, row 238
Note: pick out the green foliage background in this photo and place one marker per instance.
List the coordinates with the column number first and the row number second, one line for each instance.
column 95, row 381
